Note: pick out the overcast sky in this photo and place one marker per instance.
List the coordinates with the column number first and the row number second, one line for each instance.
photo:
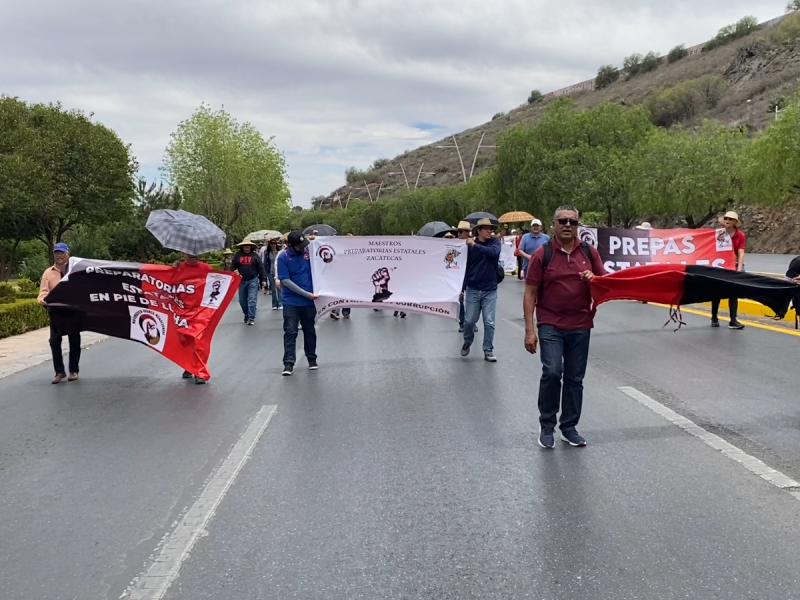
column 337, row 82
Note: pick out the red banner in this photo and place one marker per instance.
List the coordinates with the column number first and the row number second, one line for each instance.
column 624, row 248
column 173, row 311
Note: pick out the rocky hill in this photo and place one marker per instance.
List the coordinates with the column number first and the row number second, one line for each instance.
column 754, row 76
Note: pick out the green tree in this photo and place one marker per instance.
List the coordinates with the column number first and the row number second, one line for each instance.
column 692, row 174
column 572, row 157
column 633, row 64
column 606, row 75
column 650, row 62
column 62, row 170
column 227, row 171
column 792, row 6
column 678, row 53
column 772, row 172
column 536, row 96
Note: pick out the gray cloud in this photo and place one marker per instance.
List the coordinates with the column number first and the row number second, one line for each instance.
column 346, row 74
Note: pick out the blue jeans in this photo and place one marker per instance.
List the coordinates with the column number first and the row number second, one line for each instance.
column 292, row 317
column 461, row 315
column 477, row 302
column 248, row 297
column 277, row 300
column 564, row 356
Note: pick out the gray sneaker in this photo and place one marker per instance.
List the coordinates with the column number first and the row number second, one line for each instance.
column 489, row 357
column 465, row 350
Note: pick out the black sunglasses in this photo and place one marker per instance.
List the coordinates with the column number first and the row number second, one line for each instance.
column 572, row 222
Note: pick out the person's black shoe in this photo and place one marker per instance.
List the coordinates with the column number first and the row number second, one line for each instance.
column 546, row 438
column 735, row 325
column 287, row 370
column 312, row 364
column 397, row 312
column 187, row 375
column 573, row 438
column 200, row 381
column 475, row 329
column 465, row 350
column 402, row 315
column 460, row 329
column 251, row 321
column 714, row 322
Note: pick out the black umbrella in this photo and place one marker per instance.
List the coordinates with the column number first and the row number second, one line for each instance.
column 321, row 229
column 477, row 216
column 435, row 229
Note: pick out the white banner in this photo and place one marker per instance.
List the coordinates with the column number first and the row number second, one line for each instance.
column 507, row 258
column 409, row 273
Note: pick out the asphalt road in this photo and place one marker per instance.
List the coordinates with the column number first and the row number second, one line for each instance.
column 768, row 263
column 401, row 470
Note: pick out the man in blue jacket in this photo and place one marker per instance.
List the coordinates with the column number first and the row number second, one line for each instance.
column 480, row 287
column 294, row 273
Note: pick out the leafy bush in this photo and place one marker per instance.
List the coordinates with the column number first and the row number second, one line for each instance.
column 379, row 163
column 498, row 116
column 25, row 315
column 26, row 285
column 686, row 100
column 787, row 32
column 606, row 75
column 8, row 294
column 777, row 103
column 33, row 267
column 633, row 64
column 743, row 27
column 677, row 53
column 535, row 97
column 27, row 295
column 650, row 62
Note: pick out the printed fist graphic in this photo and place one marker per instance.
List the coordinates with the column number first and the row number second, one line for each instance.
column 380, row 279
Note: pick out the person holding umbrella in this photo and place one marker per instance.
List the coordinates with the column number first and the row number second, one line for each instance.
column 248, row 265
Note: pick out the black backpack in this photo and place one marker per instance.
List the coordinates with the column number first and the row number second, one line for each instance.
column 548, row 256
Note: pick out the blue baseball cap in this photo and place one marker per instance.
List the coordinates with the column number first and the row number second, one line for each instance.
column 60, row 247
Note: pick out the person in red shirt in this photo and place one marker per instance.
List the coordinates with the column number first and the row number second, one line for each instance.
column 732, row 226
column 559, row 293
column 191, row 263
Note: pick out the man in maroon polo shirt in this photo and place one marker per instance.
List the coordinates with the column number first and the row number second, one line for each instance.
column 559, row 292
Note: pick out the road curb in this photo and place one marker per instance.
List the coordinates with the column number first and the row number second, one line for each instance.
column 755, row 309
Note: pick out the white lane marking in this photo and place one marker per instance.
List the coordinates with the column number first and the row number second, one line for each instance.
column 751, row 463
column 154, row 583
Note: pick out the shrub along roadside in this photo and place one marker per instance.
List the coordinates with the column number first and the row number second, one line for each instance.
column 22, row 316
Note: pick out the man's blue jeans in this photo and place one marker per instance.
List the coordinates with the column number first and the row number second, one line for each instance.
column 461, row 315
column 248, row 297
column 277, row 301
column 477, row 302
column 564, row 356
column 293, row 317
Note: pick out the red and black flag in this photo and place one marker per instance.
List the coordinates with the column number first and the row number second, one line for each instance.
column 678, row 285
column 173, row 311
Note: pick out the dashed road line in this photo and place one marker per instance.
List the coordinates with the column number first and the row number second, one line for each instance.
column 154, row 583
column 751, row 463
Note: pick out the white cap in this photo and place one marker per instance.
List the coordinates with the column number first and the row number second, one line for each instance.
column 535, row 222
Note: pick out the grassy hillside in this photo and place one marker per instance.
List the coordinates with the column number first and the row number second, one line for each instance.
column 749, row 77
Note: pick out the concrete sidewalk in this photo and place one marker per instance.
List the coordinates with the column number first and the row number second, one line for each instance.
column 33, row 348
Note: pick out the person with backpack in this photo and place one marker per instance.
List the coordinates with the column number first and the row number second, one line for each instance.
column 557, row 288
column 793, row 273
column 480, row 286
